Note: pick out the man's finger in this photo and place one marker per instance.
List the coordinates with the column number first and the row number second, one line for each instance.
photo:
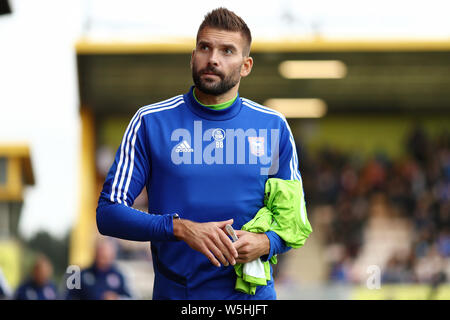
column 222, row 224
column 229, row 250
column 213, row 247
column 221, row 241
column 239, row 244
column 210, row 256
column 240, row 233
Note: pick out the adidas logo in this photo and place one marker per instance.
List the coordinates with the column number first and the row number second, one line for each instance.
column 184, row 147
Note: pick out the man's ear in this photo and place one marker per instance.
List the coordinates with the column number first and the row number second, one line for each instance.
column 246, row 66
column 192, row 58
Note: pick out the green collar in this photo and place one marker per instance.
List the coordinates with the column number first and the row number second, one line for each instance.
column 219, row 106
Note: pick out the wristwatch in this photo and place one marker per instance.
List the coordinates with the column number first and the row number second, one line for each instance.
column 175, row 216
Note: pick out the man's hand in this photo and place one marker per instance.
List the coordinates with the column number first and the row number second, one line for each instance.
column 251, row 245
column 208, row 238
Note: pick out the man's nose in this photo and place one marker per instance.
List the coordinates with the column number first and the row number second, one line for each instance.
column 213, row 58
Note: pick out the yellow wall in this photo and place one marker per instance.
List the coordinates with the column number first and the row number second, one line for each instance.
column 365, row 134
column 10, row 261
column 85, row 231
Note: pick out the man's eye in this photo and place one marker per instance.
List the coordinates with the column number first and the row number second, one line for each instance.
column 228, row 51
column 204, row 47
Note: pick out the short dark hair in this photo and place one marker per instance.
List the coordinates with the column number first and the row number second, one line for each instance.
column 224, row 19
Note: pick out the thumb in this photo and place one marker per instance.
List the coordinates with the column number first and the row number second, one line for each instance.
column 240, row 233
column 222, row 224
column 239, row 243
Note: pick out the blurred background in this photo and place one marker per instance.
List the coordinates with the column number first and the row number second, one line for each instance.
column 366, row 90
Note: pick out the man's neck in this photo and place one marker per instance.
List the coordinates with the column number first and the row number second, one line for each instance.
column 209, row 100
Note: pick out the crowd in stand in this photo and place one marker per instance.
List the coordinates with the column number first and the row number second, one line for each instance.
column 416, row 186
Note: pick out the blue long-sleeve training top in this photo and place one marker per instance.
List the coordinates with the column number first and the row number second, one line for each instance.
column 205, row 165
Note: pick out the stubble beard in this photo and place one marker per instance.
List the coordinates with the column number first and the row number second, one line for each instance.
column 215, row 88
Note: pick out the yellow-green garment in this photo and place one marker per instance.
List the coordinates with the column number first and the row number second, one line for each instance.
column 284, row 212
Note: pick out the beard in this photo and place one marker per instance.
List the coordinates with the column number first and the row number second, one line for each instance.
column 215, row 88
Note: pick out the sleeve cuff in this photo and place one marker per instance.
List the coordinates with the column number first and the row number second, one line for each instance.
column 169, row 226
column 271, row 235
column 277, row 245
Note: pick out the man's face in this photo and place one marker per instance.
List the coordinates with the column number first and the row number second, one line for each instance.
column 218, row 62
column 42, row 271
column 105, row 255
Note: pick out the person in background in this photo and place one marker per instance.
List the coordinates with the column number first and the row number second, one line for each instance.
column 39, row 285
column 102, row 280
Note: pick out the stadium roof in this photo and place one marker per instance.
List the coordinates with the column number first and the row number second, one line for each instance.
column 382, row 76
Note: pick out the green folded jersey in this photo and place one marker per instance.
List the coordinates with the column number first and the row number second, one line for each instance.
column 284, row 212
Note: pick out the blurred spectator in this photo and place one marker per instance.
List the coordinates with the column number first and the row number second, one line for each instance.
column 102, row 280
column 399, row 269
column 340, row 263
column 418, row 144
column 38, row 286
column 443, row 242
column 5, row 291
column 430, row 266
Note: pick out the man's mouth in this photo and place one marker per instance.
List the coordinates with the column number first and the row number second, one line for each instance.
column 210, row 74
